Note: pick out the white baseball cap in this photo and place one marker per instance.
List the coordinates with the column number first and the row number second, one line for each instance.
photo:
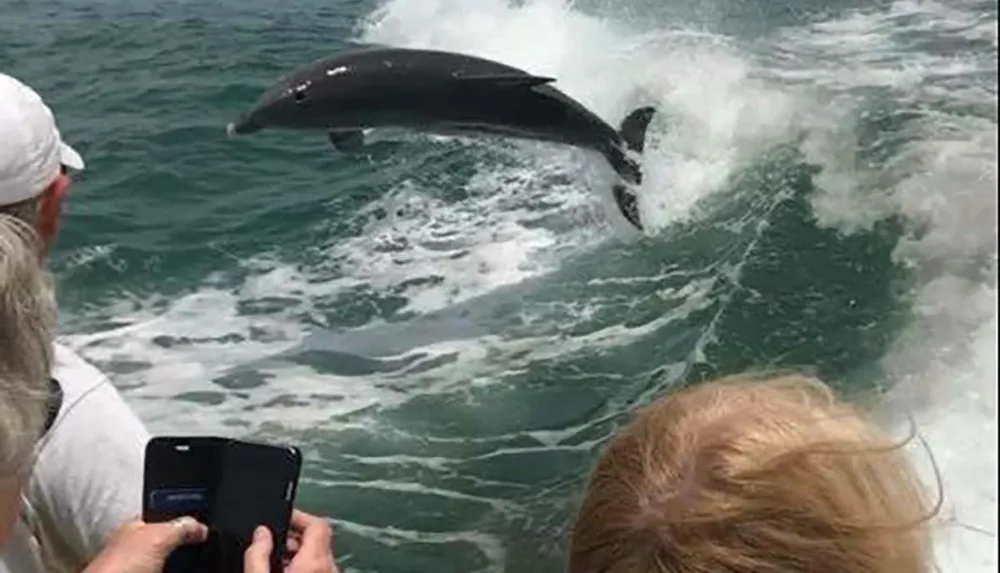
column 31, row 149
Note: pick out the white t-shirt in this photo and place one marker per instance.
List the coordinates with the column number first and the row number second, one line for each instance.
column 88, row 475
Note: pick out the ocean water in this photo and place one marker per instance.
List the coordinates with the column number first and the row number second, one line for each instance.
column 451, row 329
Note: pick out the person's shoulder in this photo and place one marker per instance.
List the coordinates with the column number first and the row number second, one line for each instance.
column 91, row 405
column 89, row 394
column 87, row 476
column 75, row 374
column 69, row 360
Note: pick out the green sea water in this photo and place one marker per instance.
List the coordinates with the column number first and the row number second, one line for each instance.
column 451, row 329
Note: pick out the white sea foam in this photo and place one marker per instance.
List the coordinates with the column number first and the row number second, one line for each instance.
column 942, row 181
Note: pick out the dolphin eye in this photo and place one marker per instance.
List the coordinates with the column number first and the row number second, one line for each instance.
column 301, row 97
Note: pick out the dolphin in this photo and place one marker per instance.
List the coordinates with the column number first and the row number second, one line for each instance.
column 443, row 93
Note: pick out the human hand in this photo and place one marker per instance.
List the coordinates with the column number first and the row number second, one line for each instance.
column 138, row 547
column 308, row 546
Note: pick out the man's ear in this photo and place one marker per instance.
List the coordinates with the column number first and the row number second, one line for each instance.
column 50, row 210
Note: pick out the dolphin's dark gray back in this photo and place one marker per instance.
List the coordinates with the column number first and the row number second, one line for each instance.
column 405, row 63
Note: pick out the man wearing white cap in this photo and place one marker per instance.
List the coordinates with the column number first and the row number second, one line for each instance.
column 87, row 479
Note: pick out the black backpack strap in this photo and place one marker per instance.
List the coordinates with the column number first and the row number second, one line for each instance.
column 54, row 404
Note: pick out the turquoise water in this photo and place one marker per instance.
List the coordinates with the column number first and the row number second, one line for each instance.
column 451, row 329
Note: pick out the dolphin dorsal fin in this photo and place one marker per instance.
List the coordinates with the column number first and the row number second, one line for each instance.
column 507, row 80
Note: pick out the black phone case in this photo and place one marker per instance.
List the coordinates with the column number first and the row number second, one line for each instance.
column 235, row 519
column 218, row 468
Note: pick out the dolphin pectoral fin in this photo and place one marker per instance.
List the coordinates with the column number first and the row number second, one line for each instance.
column 507, row 80
column 348, row 141
column 628, row 204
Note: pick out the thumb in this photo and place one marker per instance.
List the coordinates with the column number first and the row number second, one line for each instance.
column 167, row 536
column 257, row 557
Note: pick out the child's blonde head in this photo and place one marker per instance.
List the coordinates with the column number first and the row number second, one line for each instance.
column 752, row 476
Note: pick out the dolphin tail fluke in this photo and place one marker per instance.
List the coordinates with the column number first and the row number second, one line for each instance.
column 634, row 126
column 628, row 204
column 633, row 134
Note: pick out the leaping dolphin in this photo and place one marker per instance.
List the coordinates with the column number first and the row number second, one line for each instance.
column 443, row 93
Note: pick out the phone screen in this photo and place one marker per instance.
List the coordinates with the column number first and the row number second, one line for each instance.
column 180, row 479
column 256, row 487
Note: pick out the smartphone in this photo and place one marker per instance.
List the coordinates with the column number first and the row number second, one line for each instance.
column 256, row 486
column 180, row 478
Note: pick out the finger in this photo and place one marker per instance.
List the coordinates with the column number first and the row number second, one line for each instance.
column 256, row 559
column 300, row 520
column 293, row 544
column 315, row 534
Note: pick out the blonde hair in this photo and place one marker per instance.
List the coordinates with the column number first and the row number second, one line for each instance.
column 752, row 475
column 27, row 322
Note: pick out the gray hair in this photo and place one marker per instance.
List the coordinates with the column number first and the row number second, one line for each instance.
column 27, row 320
column 27, row 326
column 26, row 210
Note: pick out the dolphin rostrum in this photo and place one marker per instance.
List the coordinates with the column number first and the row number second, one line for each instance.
column 443, row 93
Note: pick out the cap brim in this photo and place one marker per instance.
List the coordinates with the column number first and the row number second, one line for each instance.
column 70, row 158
